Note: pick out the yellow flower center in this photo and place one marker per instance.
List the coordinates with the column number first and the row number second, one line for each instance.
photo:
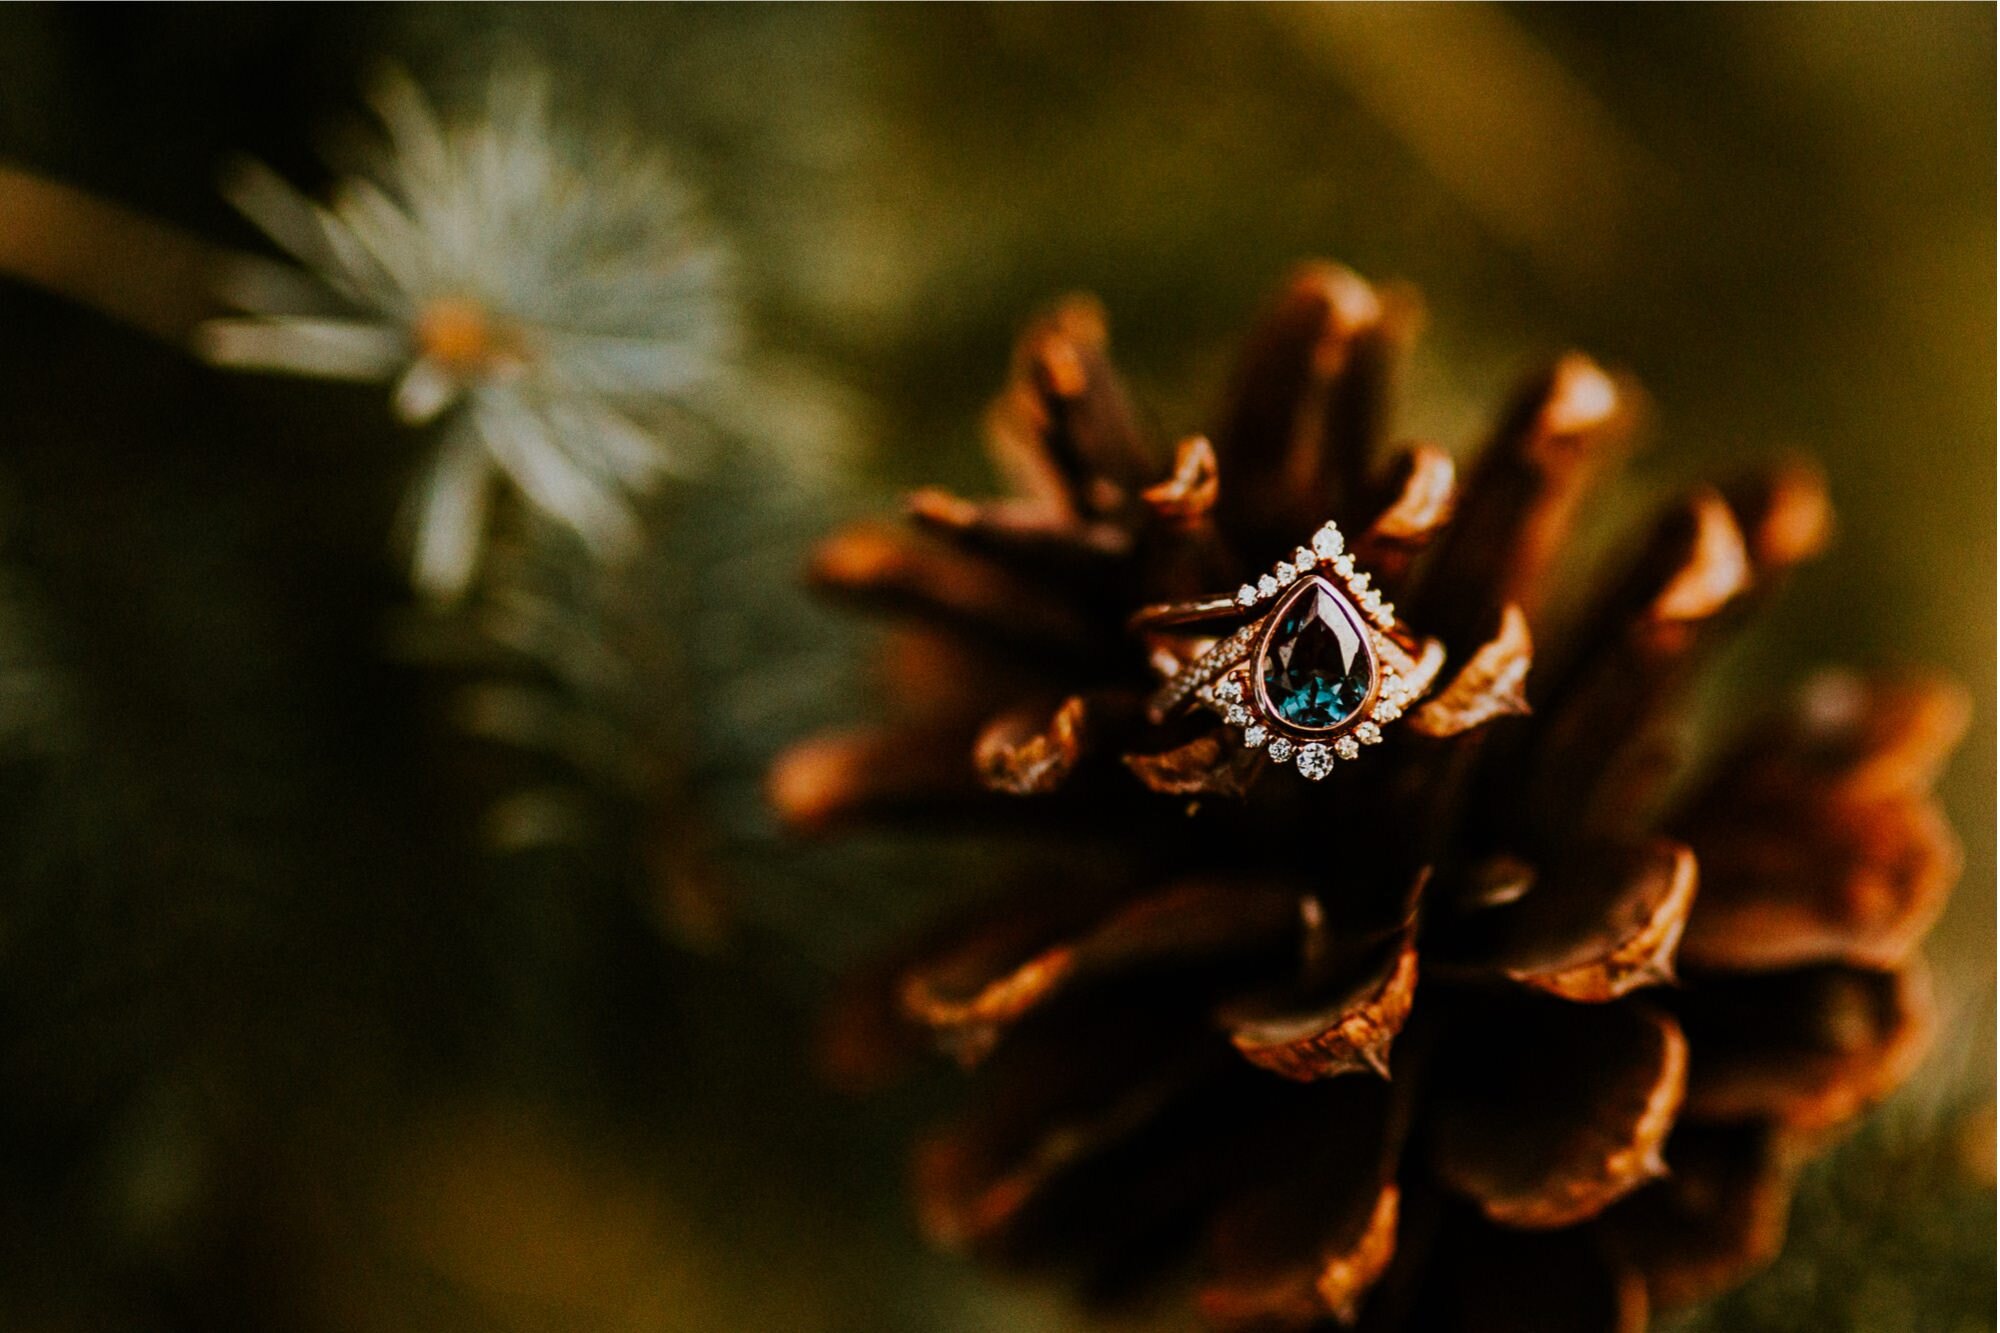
column 459, row 335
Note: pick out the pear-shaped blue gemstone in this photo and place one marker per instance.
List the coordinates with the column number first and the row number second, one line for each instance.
column 1318, row 665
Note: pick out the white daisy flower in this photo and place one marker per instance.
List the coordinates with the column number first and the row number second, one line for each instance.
column 553, row 304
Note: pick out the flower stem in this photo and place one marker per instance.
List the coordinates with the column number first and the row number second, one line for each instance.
column 139, row 271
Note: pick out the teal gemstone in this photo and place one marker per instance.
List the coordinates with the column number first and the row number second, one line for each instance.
column 1318, row 664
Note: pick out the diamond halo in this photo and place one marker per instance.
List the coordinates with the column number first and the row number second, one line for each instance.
column 1314, row 681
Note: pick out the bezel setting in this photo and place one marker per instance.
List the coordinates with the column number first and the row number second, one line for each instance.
column 1259, row 690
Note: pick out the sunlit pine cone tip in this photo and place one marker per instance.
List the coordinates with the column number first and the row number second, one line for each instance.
column 1515, row 1023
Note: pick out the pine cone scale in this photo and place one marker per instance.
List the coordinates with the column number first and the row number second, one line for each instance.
column 1609, row 925
column 1422, row 490
column 1315, row 1243
column 1718, row 1216
column 1515, row 510
column 992, row 980
column 1305, row 408
column 1306, row 1037
column 1553, row 1112
column 1808, row 1050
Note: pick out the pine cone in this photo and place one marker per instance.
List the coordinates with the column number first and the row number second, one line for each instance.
column 1450, row 1039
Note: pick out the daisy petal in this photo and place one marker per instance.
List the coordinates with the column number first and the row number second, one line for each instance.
column 326, row 348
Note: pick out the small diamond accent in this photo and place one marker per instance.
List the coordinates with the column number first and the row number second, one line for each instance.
column 1254, row 737
column 1303, row 559
column 1368, row 733
column 1388, row 711
column 1344, row 566
column 1327, row 542
column 1267, row 586
column 1359, row 585
column 1281, row 749
column 1315, row 762
column 1286, row 575
column 1228, row 690
column 1246, row 596
column 1346, row 748
column 1236, row 715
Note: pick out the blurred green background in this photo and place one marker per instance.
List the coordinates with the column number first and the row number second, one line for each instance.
column 283, row 1046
